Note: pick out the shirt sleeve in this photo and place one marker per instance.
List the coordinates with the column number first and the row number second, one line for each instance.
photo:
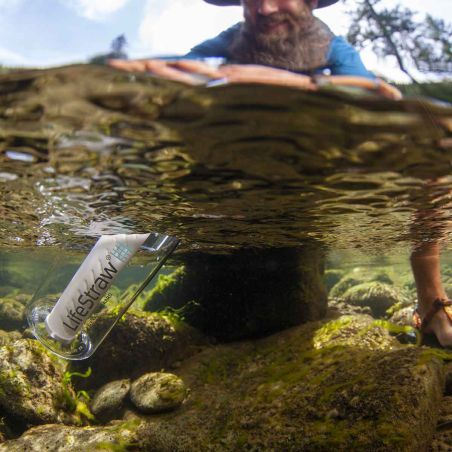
column 215, row 47
column 343, row 59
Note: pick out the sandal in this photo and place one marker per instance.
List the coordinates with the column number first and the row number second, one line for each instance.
column 421, row 323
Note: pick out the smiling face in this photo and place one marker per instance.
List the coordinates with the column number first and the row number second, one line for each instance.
column 272, row 21
column 281, row 33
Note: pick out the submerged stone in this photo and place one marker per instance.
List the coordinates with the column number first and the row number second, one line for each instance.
column 158, row 392
column 7, row 337
column 345, row 384
column 332, row 277
column 403, row 316
column 11, row 314
column 250, row 293
column 5, row 430
column 379, row 297
column 31, row 384
column 60, row 438
column 108, row 402
column 359, row 276
column 140, row 342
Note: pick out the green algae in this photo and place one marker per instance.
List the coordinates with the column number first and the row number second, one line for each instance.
column 75, row 403
column 330, row 329
column 432, row 353
column 160, row 292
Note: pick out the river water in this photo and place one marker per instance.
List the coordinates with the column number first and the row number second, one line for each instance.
column 87, row 150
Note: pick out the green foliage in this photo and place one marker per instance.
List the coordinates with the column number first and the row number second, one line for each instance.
column 440, row 90
column 414, row 41
column 75, row 404
column 67, row 378
column 177, row 315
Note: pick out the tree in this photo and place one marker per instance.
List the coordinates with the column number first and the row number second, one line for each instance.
column 421, row 43
column 117, row 51
column 118, row 45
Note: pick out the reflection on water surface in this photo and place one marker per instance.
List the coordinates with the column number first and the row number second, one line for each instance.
column 86, row 150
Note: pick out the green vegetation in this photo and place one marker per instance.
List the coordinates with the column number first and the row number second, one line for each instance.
column 77, row 403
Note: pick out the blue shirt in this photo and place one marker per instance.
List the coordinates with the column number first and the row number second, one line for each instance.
column 342, row 58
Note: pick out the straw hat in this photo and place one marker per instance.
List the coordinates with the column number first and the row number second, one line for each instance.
column 322, row 3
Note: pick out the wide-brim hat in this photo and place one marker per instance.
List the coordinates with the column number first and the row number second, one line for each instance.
column 321, row 4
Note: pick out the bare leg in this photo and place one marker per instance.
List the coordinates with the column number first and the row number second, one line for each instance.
column 425, row 263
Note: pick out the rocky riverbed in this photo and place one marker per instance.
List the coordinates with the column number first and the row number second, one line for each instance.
column 355, row 380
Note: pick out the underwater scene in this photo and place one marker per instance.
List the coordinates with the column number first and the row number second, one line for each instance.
column 309, row 223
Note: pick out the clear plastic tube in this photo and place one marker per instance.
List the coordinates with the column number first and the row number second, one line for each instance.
column 94, row 277
column 64, row 324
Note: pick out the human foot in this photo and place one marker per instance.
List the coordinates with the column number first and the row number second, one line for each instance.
column 436, row 319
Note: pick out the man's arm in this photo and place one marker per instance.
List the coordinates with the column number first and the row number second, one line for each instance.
column 216, row 47
column 343, row 59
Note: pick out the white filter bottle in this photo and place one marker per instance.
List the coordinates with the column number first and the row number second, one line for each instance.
column 88, row 286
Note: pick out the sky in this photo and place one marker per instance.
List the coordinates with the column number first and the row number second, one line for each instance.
column 56, row 32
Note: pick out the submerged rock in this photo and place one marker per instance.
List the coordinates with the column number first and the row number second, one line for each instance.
column 403, row 316
column 59, row 438
column 140, row 342
column 158, row 392
column 345, row 384
column 250, row 292
column 5, row 430
column 356, row 277
column 442, row 440
column 379, row 297
column 6, row 337
column 332, row 277
column 11, row 314
column 31, row 384
column 342, row 384
column 108, row 402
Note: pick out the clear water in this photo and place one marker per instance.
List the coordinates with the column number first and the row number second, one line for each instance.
column 86, row 150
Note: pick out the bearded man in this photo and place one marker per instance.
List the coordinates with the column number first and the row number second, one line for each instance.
column 284, row 34
column 279, row 42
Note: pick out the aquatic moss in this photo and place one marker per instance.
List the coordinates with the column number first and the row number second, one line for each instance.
column 378, row 296
column 330, row 330
column 430, row 353
column 74, row 403
column 159, row 292
column 120, row 446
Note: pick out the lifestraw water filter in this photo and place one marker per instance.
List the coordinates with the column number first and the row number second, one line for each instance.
column 74, row 323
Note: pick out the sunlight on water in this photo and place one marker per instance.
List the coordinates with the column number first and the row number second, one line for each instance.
column 87, row 150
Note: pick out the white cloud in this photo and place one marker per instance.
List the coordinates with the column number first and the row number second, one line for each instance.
column 9, row 57
column 95, row 9
column 174, row 27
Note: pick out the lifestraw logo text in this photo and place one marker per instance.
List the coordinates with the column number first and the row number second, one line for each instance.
column 86, row 301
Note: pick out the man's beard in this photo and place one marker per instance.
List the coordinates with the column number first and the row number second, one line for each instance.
column 303, row 45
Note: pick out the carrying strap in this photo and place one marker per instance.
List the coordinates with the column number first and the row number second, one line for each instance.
column 438, row 304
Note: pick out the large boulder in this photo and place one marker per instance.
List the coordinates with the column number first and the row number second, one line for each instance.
column 339, row 385
column 140, row 342
column 248, row 293
column 32, row 384
column 60, row 438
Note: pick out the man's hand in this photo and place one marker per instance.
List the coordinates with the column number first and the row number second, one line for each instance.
column 190, row 72
column 250, row 73
column 194, row 72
